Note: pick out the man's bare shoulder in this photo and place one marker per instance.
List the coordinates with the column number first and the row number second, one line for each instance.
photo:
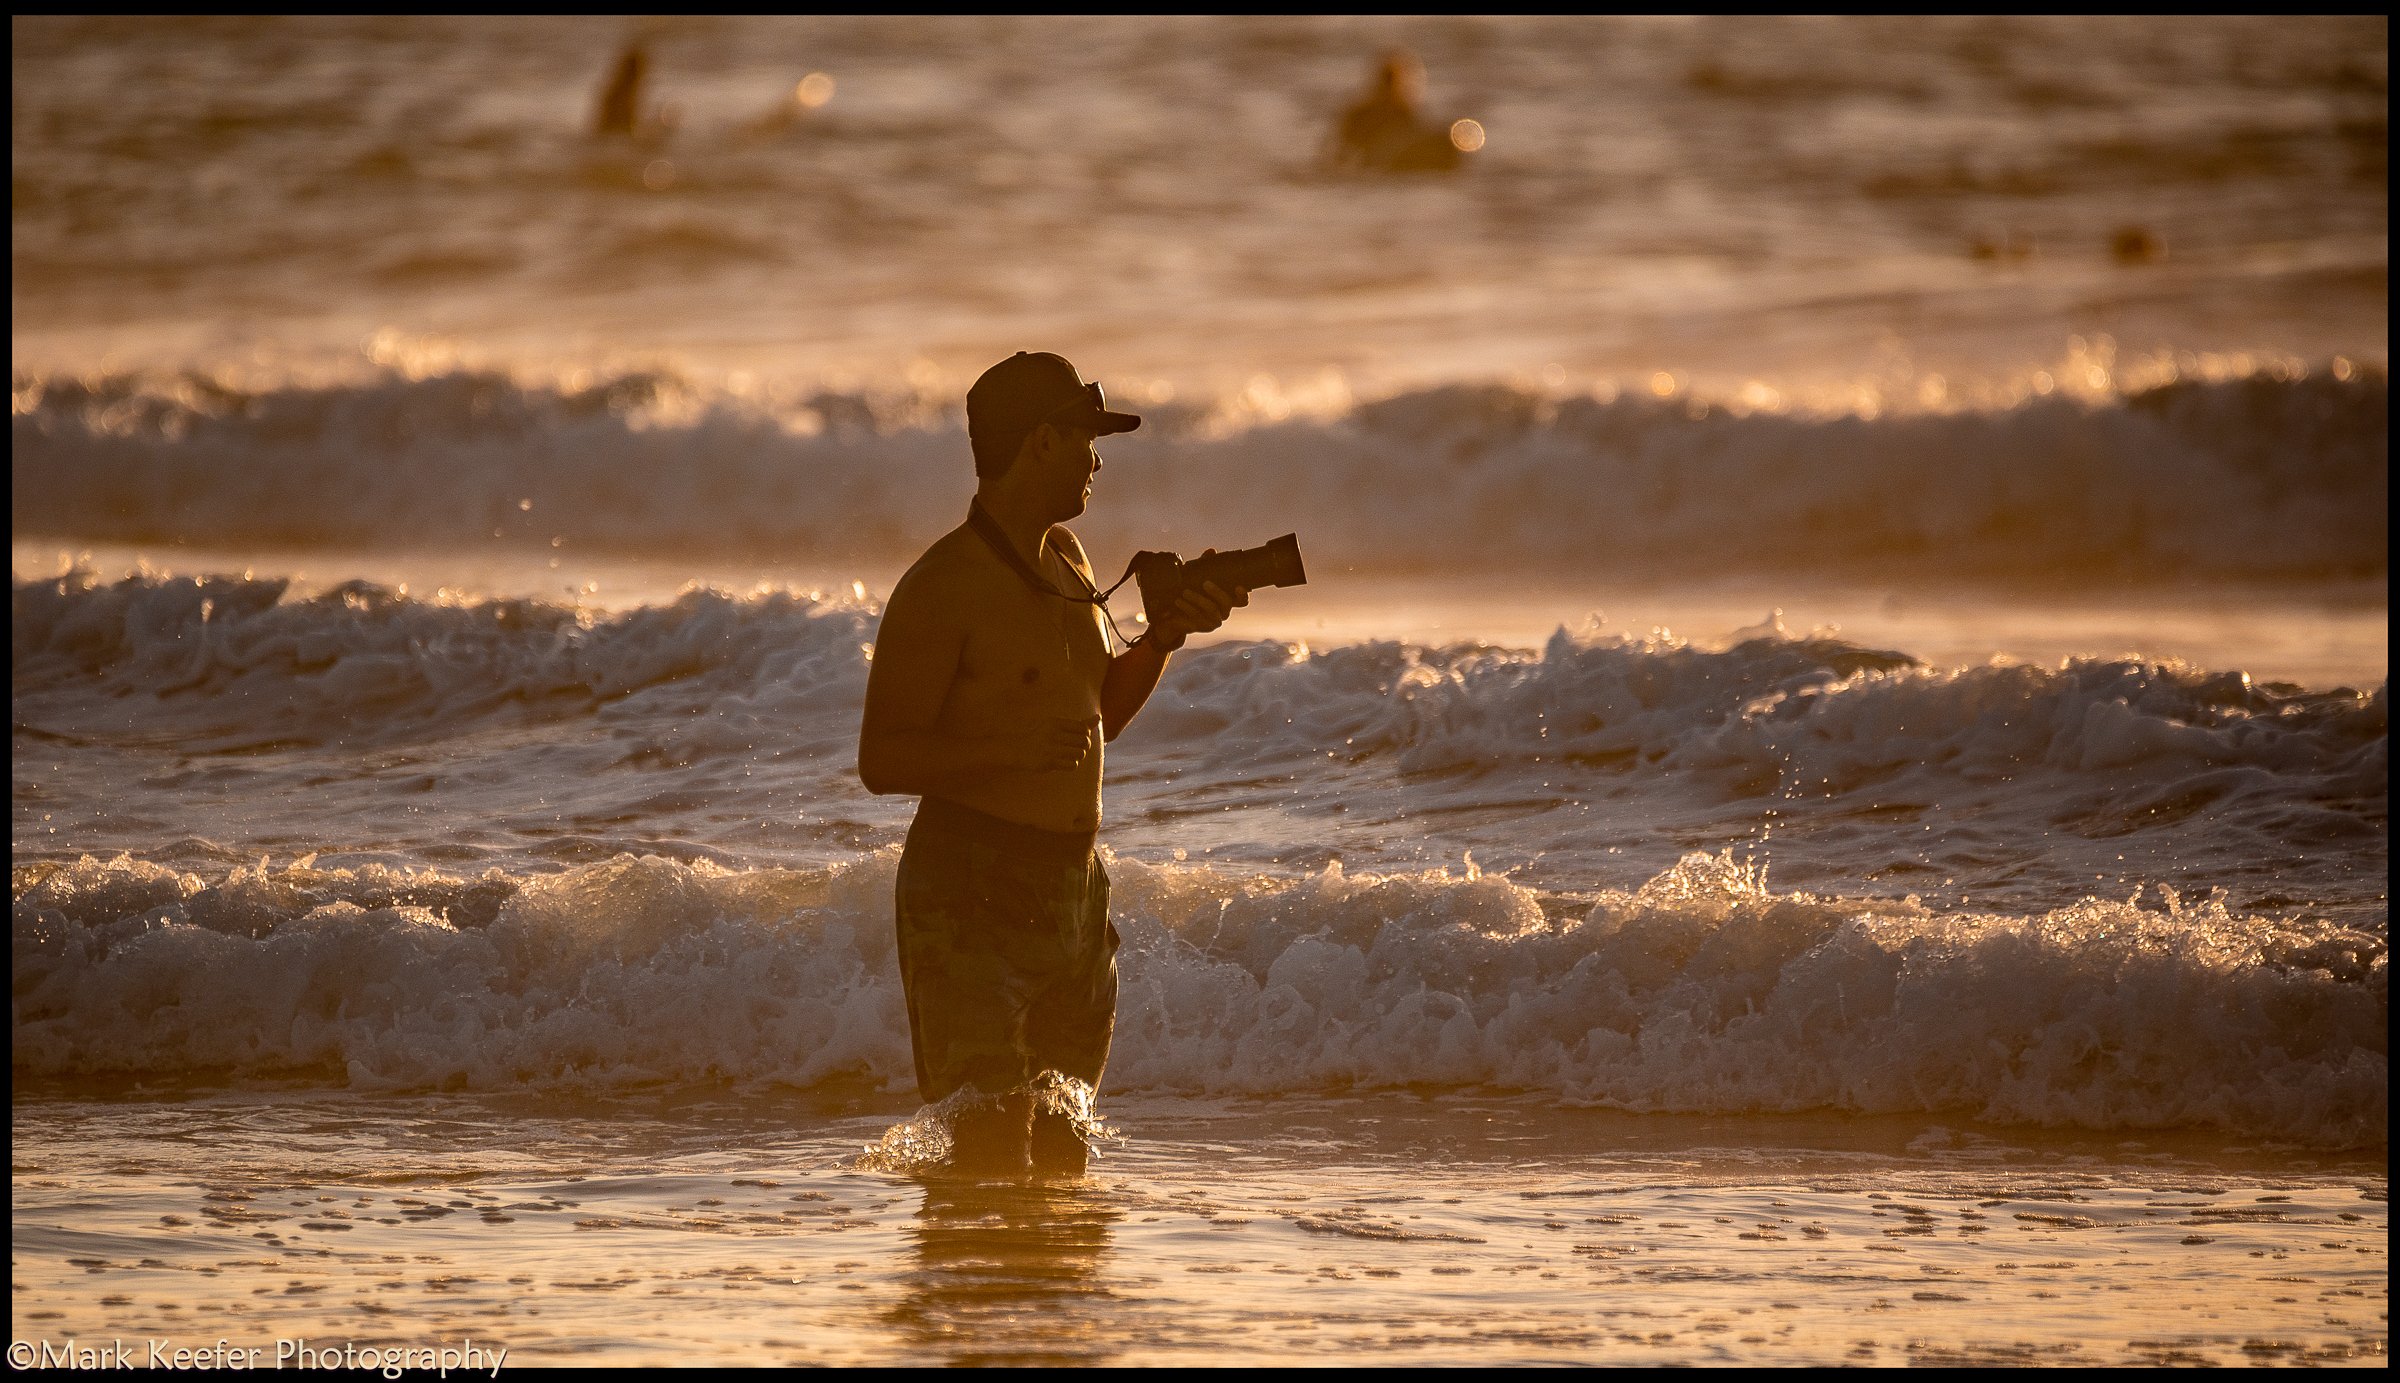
column 1063, row 538
column 943, row 570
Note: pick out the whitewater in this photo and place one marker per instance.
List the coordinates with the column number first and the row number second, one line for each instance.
column 1785, row 873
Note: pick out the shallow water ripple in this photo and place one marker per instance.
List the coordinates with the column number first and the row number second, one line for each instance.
column 1451, row 1231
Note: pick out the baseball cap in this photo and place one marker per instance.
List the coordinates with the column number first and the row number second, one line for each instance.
column 1034, row 387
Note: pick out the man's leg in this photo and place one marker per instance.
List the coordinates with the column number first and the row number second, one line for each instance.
column 965, row 1011
column 995, row 1139
column 1056, row 1147
column 1070, row 1031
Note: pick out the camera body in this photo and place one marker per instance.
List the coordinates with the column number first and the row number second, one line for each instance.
column 1163, row 576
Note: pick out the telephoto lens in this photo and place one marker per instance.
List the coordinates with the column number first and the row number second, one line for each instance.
column 1275, row 563
column 1164, row 577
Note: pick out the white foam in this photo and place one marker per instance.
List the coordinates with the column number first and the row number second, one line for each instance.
column 684, row 721
column 1701, row 991
column 1774, row 715
column 231, row 659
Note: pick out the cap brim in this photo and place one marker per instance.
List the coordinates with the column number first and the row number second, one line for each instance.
column 1099, row 421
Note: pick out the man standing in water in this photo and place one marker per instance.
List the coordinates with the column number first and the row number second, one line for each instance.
column 991, row 692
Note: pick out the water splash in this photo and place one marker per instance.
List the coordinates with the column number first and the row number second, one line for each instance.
column 922, row 1143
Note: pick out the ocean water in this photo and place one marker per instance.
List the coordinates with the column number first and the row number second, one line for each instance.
column 1432, row 1229
column 1827, row 799
column 1792, row 203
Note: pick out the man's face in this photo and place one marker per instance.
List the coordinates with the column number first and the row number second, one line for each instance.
column 1064, row 460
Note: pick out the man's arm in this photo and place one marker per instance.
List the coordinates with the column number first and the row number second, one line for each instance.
column 1133, row 674
column 901, row 748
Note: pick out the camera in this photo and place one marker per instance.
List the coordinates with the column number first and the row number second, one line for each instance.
column 1163, row 576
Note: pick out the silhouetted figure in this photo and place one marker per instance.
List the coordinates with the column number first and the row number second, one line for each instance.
column 621, row 100
column 2133, row 245
column 990, row 693
column 1383, row 131
column 1379, row 125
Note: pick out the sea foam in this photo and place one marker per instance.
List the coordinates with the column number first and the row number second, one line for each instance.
column 230, row 661
column 1703, row 990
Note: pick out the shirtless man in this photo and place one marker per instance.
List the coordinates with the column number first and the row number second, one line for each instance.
column 1380, row 125
column 991, row 692
column 1383, row 130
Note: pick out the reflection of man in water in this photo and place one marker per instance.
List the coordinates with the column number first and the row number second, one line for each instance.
column 991, row 691
column 1383, row 130
column 1011, row 1274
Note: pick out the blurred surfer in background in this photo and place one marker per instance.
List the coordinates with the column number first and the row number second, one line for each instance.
column 620, row 110
column 1384, row 132
column 621, row 99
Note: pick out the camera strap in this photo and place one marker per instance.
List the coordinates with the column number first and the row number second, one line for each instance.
column 996, row 538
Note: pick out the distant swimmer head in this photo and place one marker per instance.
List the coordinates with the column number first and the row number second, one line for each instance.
column 2136, row 245
column 1400, row 75
column 1023, row 392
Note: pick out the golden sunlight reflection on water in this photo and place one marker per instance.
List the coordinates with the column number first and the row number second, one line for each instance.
column 1451, row 1229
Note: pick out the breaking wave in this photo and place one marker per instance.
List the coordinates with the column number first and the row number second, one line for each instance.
column 1767, row 709
column 225, row 662
column 2264, row 478
column 1700, row 991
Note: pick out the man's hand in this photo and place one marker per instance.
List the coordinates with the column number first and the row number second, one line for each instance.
column 1057, row 744
column 1133, row 674
column 1198, row 610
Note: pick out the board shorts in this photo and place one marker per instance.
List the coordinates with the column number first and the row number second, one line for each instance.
column 1007, row 955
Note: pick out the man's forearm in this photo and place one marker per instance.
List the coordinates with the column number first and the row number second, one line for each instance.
column 922, row 762
column 1132, row 675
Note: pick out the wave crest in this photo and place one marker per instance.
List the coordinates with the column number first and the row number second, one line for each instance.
column 2263, row 478
column 1701, row 991
column 224, row 658
column 1770, row 712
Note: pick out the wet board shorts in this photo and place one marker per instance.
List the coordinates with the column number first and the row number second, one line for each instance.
column 1007, row 955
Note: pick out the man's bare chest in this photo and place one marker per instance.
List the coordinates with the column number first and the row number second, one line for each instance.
column 1035, row 648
